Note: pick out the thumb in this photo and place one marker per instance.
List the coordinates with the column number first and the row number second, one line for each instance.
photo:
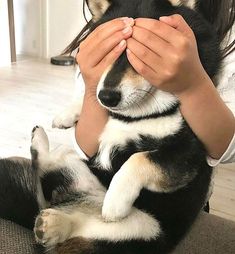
column 176, row 21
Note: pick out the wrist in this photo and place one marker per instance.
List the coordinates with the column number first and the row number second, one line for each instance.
column 201, row 87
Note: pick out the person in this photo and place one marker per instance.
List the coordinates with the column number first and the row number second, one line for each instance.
column 149, row 44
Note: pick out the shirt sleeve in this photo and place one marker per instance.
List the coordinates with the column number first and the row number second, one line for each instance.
column 226, row 90
column 77, row 148
column 227, row 157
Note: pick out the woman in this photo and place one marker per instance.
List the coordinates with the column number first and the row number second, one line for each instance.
column 212, row 122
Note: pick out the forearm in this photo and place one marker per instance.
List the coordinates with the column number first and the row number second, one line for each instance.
column 208, row 117
column 91, row 123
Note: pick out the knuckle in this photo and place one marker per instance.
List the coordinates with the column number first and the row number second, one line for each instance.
column 78, row 58
column 98, row 28
column 142, row 70
column 169, row 73
column 143, row 53
column 119, row 36
column 98, row 35
column 82, row 45
column 178, row 17
column 146, row 36
column 184, row 43
column 153, row 26
column 176, row 59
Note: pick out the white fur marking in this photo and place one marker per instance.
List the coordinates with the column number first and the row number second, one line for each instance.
column 86, row 221
column 117, row 133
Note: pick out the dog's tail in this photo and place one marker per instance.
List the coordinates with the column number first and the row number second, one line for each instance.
column 18, row 191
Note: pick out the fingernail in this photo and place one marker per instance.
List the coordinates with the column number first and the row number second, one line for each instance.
column 165, row 18
column 129, row 21
column 128, row 51
column 122, row 44
column 127, row 30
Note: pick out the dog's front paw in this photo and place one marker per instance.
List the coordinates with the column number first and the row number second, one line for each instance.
column 52, row 227
column 114, row 209
column 65, row 120
column 117, row 202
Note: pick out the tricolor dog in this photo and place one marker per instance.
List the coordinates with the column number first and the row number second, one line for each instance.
column 148, row 181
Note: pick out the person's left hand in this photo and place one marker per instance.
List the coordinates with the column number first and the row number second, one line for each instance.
column 165, row 53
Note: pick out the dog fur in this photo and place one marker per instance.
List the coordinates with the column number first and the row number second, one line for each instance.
column 148, row 181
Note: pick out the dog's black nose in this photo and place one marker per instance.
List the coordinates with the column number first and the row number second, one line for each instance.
column 109, row 98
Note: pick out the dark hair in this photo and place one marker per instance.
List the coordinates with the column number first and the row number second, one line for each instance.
column 221, row 14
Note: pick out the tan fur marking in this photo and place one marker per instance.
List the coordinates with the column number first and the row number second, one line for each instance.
column 133, row 76
column 147, row 172
column 98, row 8
column 153, row 177
column 189, row 3
column 175, row 2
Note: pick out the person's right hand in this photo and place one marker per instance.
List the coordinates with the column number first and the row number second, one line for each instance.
column 101, row 48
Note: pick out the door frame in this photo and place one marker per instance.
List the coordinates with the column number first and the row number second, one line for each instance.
column 11, row 29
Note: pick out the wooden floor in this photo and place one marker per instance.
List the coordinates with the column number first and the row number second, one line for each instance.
column 33, row 91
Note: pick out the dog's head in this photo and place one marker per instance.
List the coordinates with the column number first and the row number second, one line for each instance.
column 121, row 89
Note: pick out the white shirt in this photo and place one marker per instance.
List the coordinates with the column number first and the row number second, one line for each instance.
column 226, row 90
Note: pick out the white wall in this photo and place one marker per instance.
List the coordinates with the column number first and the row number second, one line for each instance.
column 65, row 20
column 27, row 27
column 45, row 27
column 5, row 55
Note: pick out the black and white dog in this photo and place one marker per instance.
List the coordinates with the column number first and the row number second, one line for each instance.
column 148, row 181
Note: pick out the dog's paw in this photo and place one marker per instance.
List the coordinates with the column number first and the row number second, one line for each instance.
column 117, row 204
column 121, row 195
column 39, row 140
column 65, row 120
column 115, row 208
column 52, row 227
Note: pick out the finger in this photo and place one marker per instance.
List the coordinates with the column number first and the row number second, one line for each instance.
column 160, row 29
column 177, row 21
column 150, row 40
column 103, row 48
column 107, row 29
column 113, row 55
column 142, row 68
column 147, row 56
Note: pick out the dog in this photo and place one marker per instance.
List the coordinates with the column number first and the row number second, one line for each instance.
column 148, row 181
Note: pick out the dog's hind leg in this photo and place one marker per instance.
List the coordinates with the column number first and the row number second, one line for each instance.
column 60, row 171
column 83, row 219
column 39, row 152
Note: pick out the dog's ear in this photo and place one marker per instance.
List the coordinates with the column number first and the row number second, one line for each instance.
column 189, row 3
column 98, row 7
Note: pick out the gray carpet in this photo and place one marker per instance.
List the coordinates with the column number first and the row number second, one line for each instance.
column 209, row 235
column 15, row 239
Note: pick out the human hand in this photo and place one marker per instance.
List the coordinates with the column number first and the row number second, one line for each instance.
column 101, row 48
column 165, row 53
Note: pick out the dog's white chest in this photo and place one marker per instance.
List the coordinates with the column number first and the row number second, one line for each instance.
column 118, row 134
